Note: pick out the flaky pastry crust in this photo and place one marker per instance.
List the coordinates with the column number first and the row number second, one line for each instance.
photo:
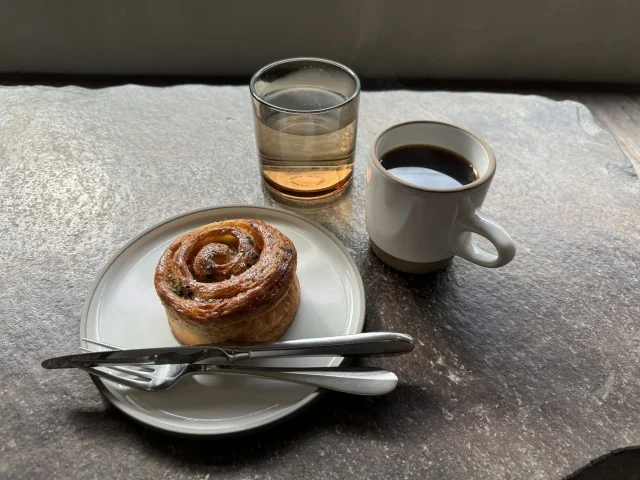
column 229, row 281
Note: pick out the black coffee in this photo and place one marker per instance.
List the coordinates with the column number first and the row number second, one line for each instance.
column 429, row 166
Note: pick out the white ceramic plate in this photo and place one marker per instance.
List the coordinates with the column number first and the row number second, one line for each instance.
column 123, row 309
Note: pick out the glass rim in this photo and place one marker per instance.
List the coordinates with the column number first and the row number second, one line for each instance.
column 342, row 67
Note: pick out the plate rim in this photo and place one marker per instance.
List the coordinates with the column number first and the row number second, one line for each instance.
column 272, row 421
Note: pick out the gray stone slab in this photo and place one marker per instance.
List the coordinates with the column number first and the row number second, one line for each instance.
column 529, row 371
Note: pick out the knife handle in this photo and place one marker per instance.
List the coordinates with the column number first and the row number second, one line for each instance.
column 372, row 343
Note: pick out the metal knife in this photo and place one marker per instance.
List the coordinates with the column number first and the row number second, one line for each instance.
column 373, row 343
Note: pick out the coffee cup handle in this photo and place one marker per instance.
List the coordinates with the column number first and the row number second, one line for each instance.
column 465, row 247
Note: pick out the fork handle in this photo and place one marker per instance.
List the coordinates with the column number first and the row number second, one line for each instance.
column 354, row 380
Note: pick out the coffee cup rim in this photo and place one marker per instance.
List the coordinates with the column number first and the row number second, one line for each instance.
column 483, row 179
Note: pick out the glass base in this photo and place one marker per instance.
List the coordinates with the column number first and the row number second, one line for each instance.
column 307, row 196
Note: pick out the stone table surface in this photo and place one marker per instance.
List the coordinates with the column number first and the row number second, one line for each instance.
column 528, row 371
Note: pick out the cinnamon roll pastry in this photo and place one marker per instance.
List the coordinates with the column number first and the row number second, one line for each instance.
column 229, row 281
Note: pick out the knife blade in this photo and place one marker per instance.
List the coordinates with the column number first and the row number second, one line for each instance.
column 145, row 356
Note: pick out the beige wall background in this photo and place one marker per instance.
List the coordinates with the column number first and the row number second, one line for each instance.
column 578, row 40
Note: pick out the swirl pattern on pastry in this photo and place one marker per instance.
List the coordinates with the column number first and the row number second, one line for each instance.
column 233, row 280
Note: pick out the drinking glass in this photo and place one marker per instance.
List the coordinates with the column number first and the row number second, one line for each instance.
column 305, row 114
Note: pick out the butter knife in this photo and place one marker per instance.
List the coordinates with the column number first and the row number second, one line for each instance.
column 361, row 344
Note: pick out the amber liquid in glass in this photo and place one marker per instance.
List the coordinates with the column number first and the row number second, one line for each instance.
column 306, row 155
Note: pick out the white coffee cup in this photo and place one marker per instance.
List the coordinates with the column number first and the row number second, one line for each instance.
column 418, row 229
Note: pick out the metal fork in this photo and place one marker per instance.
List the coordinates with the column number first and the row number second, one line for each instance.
column 354, row 380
